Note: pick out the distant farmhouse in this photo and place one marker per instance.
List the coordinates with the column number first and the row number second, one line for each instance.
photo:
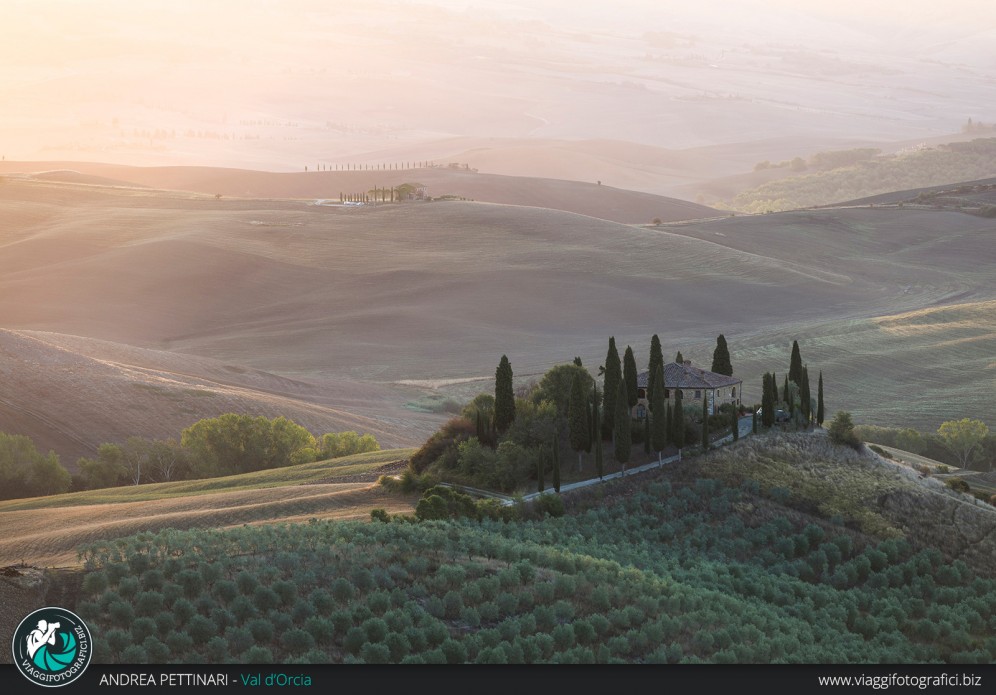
column 694, row 384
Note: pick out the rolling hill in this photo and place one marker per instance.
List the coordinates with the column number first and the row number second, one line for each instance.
column 586, row 198
column 340, row 315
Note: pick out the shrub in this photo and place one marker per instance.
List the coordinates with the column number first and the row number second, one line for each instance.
column 157, row 651
column 239, row 639
column 550, row 505
column 142, row 627
column 226, row 590
column 201, row 629
column 448, row 436
column 246, row 582
column 257, row 655
column 375, row 653
column 285, row 590
column 958, row 485
column 179, row 643
column 455, row 652
column 297, row 641
column 261, row 629
column 398, row 645
column 134, row 654
column 148, row 602
column 165, row 623
column 380, row 514
column 342, row 590
column 339, row 444
column 118, row 639
column 265, row 598
column 122, row 613
column 217, row 649
column 841, row 430
column 321, row 629
column 95, row 582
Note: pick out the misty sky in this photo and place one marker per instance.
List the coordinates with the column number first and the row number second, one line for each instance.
column 265, row 83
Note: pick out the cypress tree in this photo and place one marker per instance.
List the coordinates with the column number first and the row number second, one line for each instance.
column 670, row 424
column 540, row 466
column 679, row 423
column 599, row 467
column 656, row 360
column 480, row 427
column 819, row 401
column 721, row 358
column 678, row 358
column 577, row 418
column 807, row 409
column 768, row 401
column 629, row 376
column 646, row 435
column 577, row 361
column 795, row 364
column 705, row 423
column 621, row 435
column 556, row 463
column 736, row 425
column 662, row 414
column 774, row 387
column 785, row 390
column 504, row 396
column 594, row 431
column 610, row 387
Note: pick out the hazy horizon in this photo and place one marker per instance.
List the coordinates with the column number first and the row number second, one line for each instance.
column 280, row 86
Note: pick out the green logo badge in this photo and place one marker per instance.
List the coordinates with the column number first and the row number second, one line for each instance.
column 52, row 647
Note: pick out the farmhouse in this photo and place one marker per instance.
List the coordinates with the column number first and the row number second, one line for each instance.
column 694, row 384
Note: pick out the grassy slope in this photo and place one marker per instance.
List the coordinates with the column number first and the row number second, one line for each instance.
column 329, row 471
column 958, row 162
column 915, row 367
column 340, row 488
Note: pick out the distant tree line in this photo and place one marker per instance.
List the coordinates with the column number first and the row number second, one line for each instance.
column 381, row 166
column 26, row 472
column 225, row 445
column 964, row 443
column 377, row 194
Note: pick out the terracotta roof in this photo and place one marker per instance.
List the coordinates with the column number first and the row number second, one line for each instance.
column 685, row 376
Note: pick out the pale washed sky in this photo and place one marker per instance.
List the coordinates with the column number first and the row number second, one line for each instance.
column 97, row 76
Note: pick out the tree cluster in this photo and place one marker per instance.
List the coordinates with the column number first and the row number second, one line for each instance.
column 26, row 472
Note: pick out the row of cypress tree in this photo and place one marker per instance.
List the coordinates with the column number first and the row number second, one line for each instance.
column 588, row 425
column 798, row 375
